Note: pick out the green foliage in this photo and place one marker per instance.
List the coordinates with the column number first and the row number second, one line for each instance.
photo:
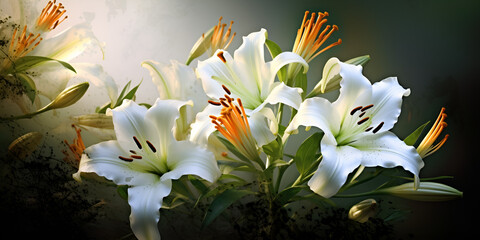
column 306, row 154
column 412, row 138
column 222, row 202
column 125, row 94
column 24, row 63
column 274, row 50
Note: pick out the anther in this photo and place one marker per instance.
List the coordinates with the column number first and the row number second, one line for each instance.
column 137, row 142
column 366, row 107
column 214, row 103
column 368, row 129
column 136, row 156
column 355, row 110
column 378, row 127
column 226, row 89
column 133, row 152
column 361, row 114
column 363, row 120
column 220, row 55
column 125, row 159
column 150, row 145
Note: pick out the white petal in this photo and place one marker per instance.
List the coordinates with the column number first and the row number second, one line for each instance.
column 103, row 159
column 68, row 44
column 177, row 81
column 282, row 93
column 387, row 100
column 355, row 89
column 145, row 202
column 203, row 127
column 260, row 128
column 334, row 168
column 161, row 119
column 277, row 63
column 388, row 151
column 128, row 121
column 186, row 158
column 317, row 112
column 95, row 74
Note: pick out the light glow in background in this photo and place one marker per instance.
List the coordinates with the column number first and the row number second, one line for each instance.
column 431, row 46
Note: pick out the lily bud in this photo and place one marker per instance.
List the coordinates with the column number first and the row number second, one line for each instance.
column 363, row 210
column 331, row 78
column 201, row 46
column 427, row 191
column 25, row 145
column 96, row 120
column 68, row 96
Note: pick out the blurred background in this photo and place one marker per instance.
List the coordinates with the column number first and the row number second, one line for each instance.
column 431, row 46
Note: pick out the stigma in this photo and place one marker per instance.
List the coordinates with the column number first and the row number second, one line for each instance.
column 426, row 147
column 50, row 17
column 311, row 37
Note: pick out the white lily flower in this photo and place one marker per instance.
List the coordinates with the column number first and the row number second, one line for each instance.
column 356, row 129
column 147, row 158
column 249, row 78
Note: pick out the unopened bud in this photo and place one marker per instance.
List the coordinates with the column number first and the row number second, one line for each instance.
column 363, row 210
column 331, row 75
column 68, row 96
column 97, row 120
column 201, row 46
column 426, row 191
column 25, row 145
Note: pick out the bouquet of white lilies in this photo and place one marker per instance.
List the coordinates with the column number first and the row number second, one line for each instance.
column 219, row 132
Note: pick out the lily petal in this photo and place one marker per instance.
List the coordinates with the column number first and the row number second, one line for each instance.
column 186, row 158
column 202, row 128
column 332, row 173
column 103, row 159
column 388, row 151
column 387, row 100
column 282, row 93
column 145, row 202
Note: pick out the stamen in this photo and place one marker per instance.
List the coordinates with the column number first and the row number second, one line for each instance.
column 307, row 43
column 219, row 42
column 220, row 55
column 133, row 152
column 363, row 120
column 150, row 145
column 214, row 103
column 226, row 89
column 136, row 156
column 368, row 129
column 425, row 148
column 355, row 110
column 361, row 114
column 137, row 142
column 378, row 127
column 125, row 159
column 50, row 16
column 366, row 107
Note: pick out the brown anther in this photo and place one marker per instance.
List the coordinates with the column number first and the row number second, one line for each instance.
column 355, row 110
column 136, row 156
column 226, row 89
column 220, row 55
column 363, row 120
column 133, row 152
column 125, row 159
column 150, row 145
column 361, row 114
column 368, row 129
column 214, row 103
column 137, row 142
column 378, row 127
column 366, row 108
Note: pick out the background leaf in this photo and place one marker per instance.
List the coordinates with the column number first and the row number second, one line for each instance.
column 412, row 138
column 306, row 153
column 222, row 202
column 27, row 62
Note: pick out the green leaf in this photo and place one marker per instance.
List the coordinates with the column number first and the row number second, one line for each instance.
column 132, row 92
column 222, row 202
column 27, row 62
column 307, row 153
column 274, row 149
column 199, row 185
column 286, row 194
column 122, row 93
column 274, row 50
column 29, row 85
column 122, row 190
column 232, row 149
column 412, row 138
